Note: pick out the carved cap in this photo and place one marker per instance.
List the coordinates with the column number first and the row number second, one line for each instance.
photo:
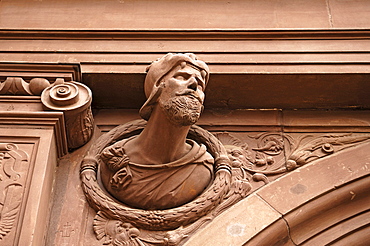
column 160, row 68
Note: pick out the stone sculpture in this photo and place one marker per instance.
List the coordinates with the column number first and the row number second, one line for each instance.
column 160, row 168
column 161, row 177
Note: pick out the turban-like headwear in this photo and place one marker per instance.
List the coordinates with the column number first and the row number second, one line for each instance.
column 160, row 68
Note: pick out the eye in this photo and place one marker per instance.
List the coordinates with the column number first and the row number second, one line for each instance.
column 182, row 76
column 179, row 77
column 200, row 83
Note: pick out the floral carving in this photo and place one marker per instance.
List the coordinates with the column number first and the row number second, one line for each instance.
column 11, row 186
column 115, row 232
column 277, row 154
column 322, row 146
column 115, row 157
column 87, row 125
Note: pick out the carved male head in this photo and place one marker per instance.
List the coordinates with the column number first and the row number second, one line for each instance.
column 176, row 84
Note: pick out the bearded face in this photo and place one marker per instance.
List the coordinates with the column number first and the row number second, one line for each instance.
column 182, row 110
column 182, row 95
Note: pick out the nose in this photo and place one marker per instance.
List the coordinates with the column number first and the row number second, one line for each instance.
column 193, row 84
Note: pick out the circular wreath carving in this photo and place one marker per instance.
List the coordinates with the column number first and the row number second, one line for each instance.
column 167, row 219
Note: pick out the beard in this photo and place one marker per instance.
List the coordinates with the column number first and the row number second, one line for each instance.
column 182, row 110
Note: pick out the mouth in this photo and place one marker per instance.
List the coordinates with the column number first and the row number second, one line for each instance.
column 191, row 94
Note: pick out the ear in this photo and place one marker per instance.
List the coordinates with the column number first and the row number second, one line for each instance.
column 147, row 108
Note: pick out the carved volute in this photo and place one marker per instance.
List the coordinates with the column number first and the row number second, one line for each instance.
column 71, row 98
column 74, row 99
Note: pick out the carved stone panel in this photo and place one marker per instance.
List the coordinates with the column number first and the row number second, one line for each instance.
column 254, row 159
column 266, row 156
column 28, row 162
column 15, row 168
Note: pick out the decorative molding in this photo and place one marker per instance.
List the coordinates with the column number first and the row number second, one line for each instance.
column 300, row 67
column 209, row 34
column 30, row 70
column 17, row 86
column 55, row 120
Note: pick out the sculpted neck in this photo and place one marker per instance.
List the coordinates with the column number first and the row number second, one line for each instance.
column 160, row 142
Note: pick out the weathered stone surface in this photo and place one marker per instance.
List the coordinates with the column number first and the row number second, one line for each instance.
column 238, row 224
column 274, row 55
column 337, row 170
column 202, row 14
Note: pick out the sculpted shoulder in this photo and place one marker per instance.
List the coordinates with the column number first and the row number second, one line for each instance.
column 156, row 186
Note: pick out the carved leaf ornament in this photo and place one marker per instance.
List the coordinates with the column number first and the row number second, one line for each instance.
column 262, row 162
column 10, row 186
column 17, row 86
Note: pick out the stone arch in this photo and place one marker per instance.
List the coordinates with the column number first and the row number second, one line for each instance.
column 323, row 203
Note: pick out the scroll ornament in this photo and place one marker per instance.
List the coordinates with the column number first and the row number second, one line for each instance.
column 74, row 99
column 278, row 154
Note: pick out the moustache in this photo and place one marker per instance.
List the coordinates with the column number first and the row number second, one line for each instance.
column 190, row 93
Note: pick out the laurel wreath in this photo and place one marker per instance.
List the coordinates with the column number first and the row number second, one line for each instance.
column 167, row 219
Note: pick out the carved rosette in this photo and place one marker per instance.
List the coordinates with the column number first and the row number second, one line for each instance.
column 74, row 99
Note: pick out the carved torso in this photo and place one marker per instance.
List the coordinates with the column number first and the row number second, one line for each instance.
column 149, row 186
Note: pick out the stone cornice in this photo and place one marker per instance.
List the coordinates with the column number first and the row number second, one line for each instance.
column 287, row 68
column 40, row 120
column 49, row 71
column 188, row 34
